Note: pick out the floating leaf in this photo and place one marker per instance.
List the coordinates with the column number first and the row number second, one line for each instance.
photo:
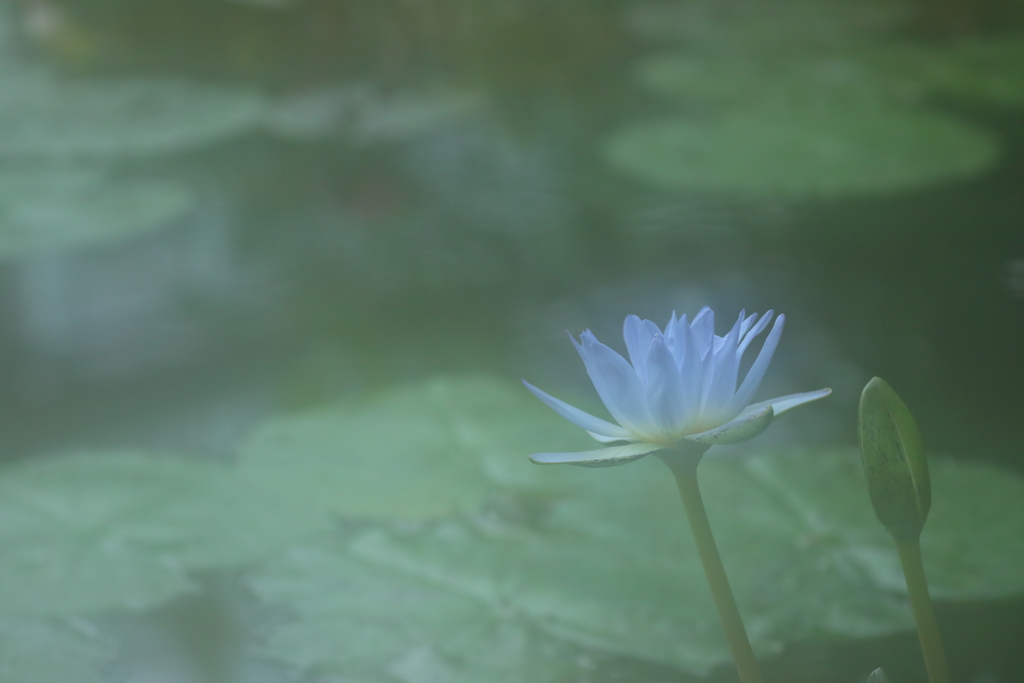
column 52, row 651
column 795, row 80
column 806, row 151
column 371, row 624
column 365, row 115
column 91, row 532
column 612, row 568
column 58, row 208
column 420, row 451
column 43, row 116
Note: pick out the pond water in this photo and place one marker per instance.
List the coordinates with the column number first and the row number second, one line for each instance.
column 271, row 272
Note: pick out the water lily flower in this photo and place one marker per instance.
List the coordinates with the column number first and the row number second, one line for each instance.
column 679, row 387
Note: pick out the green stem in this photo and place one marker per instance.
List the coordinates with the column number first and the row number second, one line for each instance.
column 924, row 613
column 721, row 592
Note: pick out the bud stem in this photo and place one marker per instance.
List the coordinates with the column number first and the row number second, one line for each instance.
column 924, row 613
column 721, row 592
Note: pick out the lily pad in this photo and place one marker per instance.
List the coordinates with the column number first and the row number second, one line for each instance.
column 421, row 451
column 100, row 531
column 612, row 568
column 370, row 624
column 43, row 116
column 813, row 150
column 52, row 651
column 49, row 209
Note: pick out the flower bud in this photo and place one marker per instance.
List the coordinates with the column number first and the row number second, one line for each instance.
column 894, row 461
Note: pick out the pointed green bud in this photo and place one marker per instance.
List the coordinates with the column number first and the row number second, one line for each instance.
column 894, row 461
column 878, row 676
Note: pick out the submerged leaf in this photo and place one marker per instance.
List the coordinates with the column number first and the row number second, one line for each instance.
column 52, row 651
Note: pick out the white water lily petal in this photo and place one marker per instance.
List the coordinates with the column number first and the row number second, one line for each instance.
column 692, row 371
column 594, row 425
column 601, row 438
column 616, row 382
column 741, row 429
column 664, row 396
column 783, row 404
column 678, row 383
column 756, row 330
column 722, row 383
column 703, row 327
column 602, row 457
column 756, row 373
column 638, row 335
column 750, row 320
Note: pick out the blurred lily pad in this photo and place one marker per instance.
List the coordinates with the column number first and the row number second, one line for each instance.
column 812, row 150
column 365, row 115
column 738, row 80
column 50, row 209
column 612, row 568
column 421, row 451
column 43, row 116
column 52, row 651
column 99, row 531
column 372, row 624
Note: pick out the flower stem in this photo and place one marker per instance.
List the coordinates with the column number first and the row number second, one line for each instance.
column 924, row 614
column 721, row 592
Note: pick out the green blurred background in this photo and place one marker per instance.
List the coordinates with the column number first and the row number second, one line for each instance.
column 213, row 211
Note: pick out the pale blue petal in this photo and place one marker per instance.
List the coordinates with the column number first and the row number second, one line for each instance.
column 594, row 425
column 675, row 337
column 631, row 333
column 783, row 404
column 602, row 457
column 638, row 335
column 611, row 439
column 722, row 383
column 753, row 379
column 751, row 319
column 665, row 399
column 692, row 372
column 757, row 329
column 703, row 327
column 616, row 382
column 742, row 428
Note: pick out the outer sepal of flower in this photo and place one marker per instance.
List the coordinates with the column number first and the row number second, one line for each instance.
column 741, row 429
column 894, row 461
column 602, row 457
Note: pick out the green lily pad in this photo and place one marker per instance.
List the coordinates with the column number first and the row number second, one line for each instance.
column 806, row 151
column 369, row 624
column 795, row 81
column 52, row 651
column 421, row 451
column 94, row 531
column 612, row 568
column 43, row 116
column 53, row 209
